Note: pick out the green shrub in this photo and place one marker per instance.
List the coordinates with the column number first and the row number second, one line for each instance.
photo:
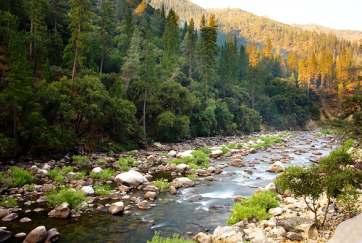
column 162, row 184
column 174, row 239
column 69, row 195
column 59, row 174
column 105, row 174
column 102, row 190
column 199, row 159
column 255, row 207
column 8, row 202
column 267, row 141
column 347, row 200
column 19, row 176
column 171, row 127
column 125, row 163
column 81, row 161
column 225, row 149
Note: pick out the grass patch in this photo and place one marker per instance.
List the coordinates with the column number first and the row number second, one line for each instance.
column 16, row 177
column 105, row 174
column 71, row 196
column 81, row 161
column 162, row 184
column 225, row 149
column 102, row 190
column 255, row 207
column 59, row 174
column 8, row 202
column 267, row 141
column 173, row 239
column 199, row 159
column 125, row 163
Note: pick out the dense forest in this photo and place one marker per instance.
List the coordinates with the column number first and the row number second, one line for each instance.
column 113, row 75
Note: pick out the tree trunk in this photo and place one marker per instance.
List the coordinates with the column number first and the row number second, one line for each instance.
column 144, row 115
column 101, row 65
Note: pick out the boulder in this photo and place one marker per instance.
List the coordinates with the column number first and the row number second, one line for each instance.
column 276, row 211
column 348, row 231
column 182, row 167
column 19, row 235
column 227, row 234
column 87, row 190
column 116, row 208
column 144, row 205
column 4, row 235
column 52, row 236
column 150, row 195
column 277, row 167
column 172, row 153
column 294, row 236
column 131, row 178
column 216, row 153
column 173, row 190
column 37, row 235
column 25, row 220
column 4, row 212
column 202, row 238
column 184, row 154
column 60, row 212
column 182, row 182
column 10, row 217
column 97, row 170
column 255, row 235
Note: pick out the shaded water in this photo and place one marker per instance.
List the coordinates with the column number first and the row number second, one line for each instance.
column 200, row 208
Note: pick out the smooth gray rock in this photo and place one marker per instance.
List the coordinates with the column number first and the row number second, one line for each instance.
column 348, row 231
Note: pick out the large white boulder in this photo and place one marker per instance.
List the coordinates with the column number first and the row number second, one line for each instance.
column 348, row 231
column 132, row 178
column 87, row 190
column 277, row 167
column 227, row 234
column 184, row 154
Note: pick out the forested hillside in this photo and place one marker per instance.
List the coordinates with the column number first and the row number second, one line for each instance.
column 112, row 75
column 323, row 60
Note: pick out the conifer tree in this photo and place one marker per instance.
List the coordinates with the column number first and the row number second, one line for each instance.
column 190, row 47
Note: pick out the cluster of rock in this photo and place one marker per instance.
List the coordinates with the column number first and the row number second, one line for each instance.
column 38, row 235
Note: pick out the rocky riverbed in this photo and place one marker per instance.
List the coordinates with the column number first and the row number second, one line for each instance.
column 197, row 200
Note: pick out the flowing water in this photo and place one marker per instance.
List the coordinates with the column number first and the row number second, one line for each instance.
column 200, row 208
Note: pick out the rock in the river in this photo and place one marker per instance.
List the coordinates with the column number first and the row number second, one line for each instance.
column 87, row 190
column 143, row 205
column 203, row 238
column 4, row 235
column 37, row 235
column 61, row 212
column 19, row 235
column 227, row 234
column 97, row 170
column 348, row 231
column 4, row 212
column 52, row 236
column 173, row 190
column 277, row 167
column 150, row 195
column 182, row 182
column 116, row 208
column 25, row 220
column 10, row 217
column 132, row 178
column 182, row 167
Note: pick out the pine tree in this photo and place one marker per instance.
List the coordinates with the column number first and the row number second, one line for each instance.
column 79, row 16
column 131, row 67
column 268, row 49
column 189, row 49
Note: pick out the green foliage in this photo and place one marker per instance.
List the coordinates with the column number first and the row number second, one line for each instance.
column 162, row 184
column 347, row 201
column 174, row 239
column 171, row 128
column 198, row 159
column 17, row 177
column 8, row 202
column 125, row 163
column 267, row 141
column 81, row 161
column 59, row 174
column 69, row 195
column 255, row 207
column 104, row 175
column 102, row 190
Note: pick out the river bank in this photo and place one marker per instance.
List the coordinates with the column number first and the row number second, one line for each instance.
column 202, row 206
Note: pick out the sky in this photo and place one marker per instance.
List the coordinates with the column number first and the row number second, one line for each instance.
column 339, row 14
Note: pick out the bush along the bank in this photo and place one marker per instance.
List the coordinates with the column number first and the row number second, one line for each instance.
column 335, row 177
column 15, row 177
column 255, row 207
column 172, row 239
column 198, row 159
column 71, row 196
